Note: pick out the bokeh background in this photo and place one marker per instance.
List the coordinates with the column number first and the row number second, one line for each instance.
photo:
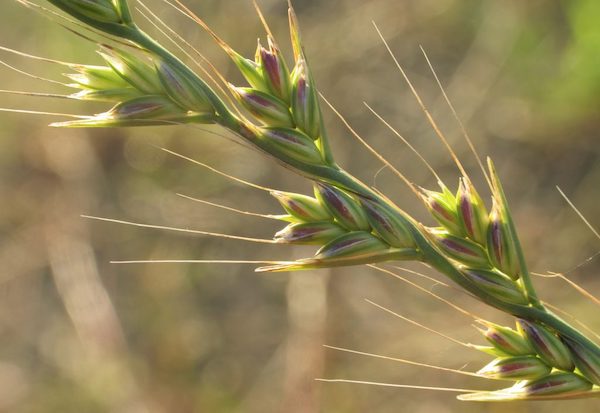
column 79, row 334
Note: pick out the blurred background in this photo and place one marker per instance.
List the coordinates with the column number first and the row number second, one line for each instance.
column 79, row 334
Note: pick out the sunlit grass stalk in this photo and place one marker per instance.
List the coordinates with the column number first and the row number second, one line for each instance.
column 351, row 223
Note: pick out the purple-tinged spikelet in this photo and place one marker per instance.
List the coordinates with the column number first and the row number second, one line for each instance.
column 496, row 284
column 547, row 345
column 501, row 246
column 301, row 207
column 346, row 210
column 266, row 107
column 587, row 363
column 318, row 233
column 182, row 89
column 291, row 143
column 557, row 383
column 471, row 212
column 304, row 102
column 516, row 368
column 507, row 340
column 274, row 70
column 461, row 249
column 442, row 206
column 389, row 227
column 133, row 69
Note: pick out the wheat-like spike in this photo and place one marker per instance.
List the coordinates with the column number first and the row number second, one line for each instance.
column 545, row 357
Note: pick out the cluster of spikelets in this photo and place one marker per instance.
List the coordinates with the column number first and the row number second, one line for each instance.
column 138, row 87
column 279, row 113
column 352, row 231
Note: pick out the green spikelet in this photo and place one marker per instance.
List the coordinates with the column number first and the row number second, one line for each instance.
column 547, row 345
column 343, row 206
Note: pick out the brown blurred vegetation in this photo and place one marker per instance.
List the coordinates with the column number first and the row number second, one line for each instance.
column 79, row 334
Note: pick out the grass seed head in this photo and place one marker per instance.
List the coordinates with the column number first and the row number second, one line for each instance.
column 472, row 212
column 442, row 206
column 352, row 246
column 107, row 95
column 101, row 83
column 586, row 361
column 391, row 228
column 301, row 207
column 305, row 102
column 148, row 110
column 497, row 285
column 501, row 245
column 547, row 345
column 290, row 143
column 516, row 368
column 352, row 223
column 461, row 249
column 344, row 207
column 250, row 70
column 315, row 233
column 507, row 340
column 183, row 89
column 96, row 78
column 269, row 109
column 274, row 70
column 558, row 383
column 134, row 69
